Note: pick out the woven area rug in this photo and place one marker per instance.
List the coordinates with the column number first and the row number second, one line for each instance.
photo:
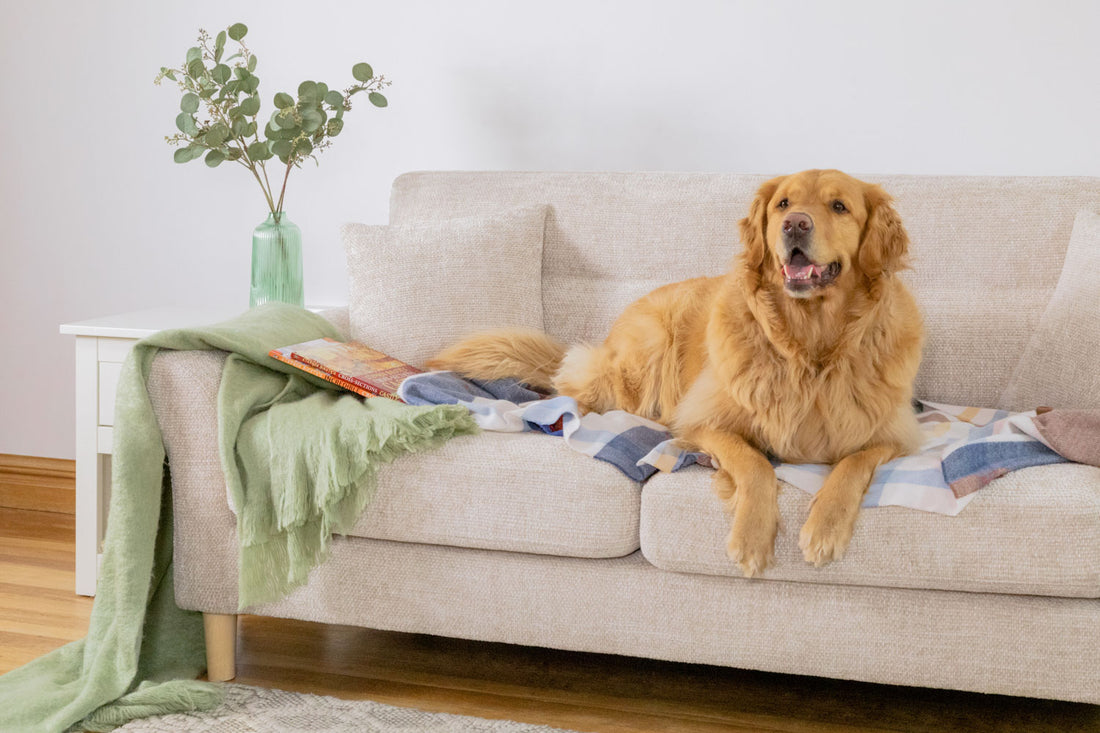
column 258, row 710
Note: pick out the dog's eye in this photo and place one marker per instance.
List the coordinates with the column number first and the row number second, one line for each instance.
column 839, row 207
column 783, row 203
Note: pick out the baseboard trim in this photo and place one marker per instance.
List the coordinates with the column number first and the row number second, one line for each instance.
column 38, row 484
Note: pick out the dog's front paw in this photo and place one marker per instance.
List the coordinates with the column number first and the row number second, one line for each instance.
column 752, row 539
column 826, row 533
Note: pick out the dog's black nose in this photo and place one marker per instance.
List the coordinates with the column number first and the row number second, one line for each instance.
column 797, row 224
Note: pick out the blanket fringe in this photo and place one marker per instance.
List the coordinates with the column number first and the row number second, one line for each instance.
column 278, row 552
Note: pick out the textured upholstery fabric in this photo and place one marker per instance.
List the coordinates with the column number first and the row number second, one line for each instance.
column 1017, row 645
column 506, row 491
column 183, row 387
column 1035, row 531
column 416, row 289
column 1061, row 365
column 339, row 317
column 986, row 251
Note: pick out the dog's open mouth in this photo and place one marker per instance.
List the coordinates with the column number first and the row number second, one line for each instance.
column 801, row 275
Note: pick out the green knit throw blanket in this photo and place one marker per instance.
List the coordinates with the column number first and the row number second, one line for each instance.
column 300, row 459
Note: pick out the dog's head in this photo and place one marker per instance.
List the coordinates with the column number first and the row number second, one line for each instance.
column 813, row 231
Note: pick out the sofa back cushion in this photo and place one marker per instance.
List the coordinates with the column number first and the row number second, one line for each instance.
column 987, row 252
column 416, row 288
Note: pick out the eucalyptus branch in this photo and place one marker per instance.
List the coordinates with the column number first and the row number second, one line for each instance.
column 286, row 177
column 300, row 127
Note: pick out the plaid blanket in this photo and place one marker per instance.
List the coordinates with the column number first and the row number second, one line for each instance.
column 964, row 448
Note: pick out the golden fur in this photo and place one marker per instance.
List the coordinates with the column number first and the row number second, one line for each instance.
column 763, row 360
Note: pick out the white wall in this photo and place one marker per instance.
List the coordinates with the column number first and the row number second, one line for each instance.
column 95, row 218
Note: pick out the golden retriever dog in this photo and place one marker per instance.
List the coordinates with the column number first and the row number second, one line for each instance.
column 805, row 351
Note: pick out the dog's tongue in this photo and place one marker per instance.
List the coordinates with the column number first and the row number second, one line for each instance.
column 799, row 268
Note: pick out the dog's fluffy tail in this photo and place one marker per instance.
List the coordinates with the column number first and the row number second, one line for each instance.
column 524, row 354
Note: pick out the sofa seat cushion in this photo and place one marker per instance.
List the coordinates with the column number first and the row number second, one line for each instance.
column 1034, row 531
column 520, row 492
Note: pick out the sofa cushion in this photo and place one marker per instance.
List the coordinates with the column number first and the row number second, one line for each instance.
column 1059, row 367
column 521, row 492
column 1033, row 531
column 415, row 289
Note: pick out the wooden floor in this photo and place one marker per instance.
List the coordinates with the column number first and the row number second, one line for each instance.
column 587, row 692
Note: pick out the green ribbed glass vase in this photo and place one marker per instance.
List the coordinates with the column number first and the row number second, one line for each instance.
column 276, row 262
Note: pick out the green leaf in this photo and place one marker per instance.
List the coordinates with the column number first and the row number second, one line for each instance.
column 186, row 124
column 196, row 68
column 302, row 147
column 259, row 151
column 271, row 132
column 239, row 125
column 307, row 92
column 283, row 100
column 214, row 158
column 285, row 119
column 251, row 106
column 190, row 103
column 334, row 99
column 221, row 73
column 282, row 148
column 237, row 31
column 217, row 135
column 362, row 72
column 252, row 62
column 233, row 154
column 289, row 133
column 377, row 99
column 334, row 127
column 185, row 155
column 311, row 120
column 194, row 53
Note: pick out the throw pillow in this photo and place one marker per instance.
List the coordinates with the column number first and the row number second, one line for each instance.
column 417, row 288
column 1060, row 366
column 1073, row 434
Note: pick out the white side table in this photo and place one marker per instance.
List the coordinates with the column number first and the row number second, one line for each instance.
column 101, row 347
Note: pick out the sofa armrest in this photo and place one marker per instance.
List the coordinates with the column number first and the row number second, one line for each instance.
column 183, row 387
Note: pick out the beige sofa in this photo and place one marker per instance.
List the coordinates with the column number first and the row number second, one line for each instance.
column 515, row 538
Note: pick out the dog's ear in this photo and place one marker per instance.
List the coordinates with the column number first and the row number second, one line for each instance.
column 754, row 227
column 885, row 245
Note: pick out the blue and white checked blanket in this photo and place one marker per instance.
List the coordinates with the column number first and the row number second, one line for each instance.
column 964, row 448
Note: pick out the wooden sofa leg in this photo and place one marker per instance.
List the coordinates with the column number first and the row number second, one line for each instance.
column 221, row 646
